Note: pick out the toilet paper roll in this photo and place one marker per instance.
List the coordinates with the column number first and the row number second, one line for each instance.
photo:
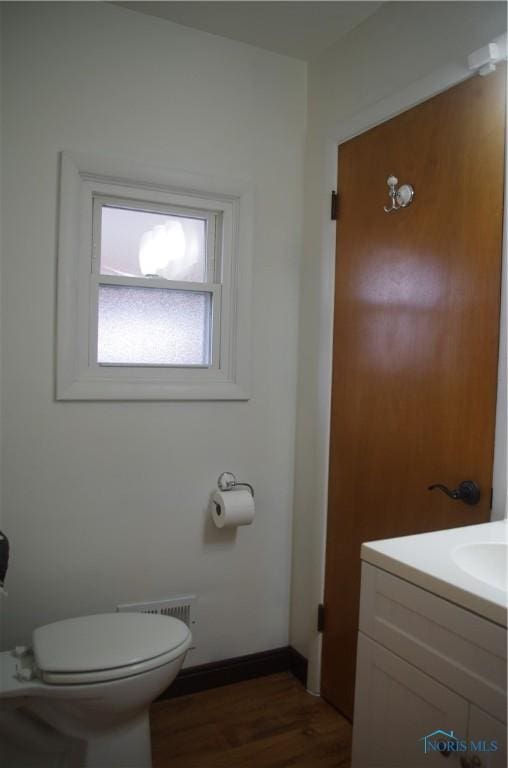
column 232, row 508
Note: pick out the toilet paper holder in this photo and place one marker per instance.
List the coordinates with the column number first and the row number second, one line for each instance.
column 227, row 481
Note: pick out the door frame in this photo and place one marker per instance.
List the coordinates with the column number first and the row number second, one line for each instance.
column 379, row 112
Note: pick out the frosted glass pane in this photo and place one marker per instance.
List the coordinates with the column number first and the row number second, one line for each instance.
column 153, row 326
column 138, row 243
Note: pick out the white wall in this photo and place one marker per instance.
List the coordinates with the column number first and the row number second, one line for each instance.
column 500, row 483
column 105, row 502
column 386, row 64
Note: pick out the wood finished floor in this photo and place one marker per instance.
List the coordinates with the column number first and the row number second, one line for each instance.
column 270, row 722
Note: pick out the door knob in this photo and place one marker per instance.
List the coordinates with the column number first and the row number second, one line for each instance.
column 468, row 491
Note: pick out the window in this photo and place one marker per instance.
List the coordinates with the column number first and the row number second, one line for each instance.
column 153, row 279
column 155, row 285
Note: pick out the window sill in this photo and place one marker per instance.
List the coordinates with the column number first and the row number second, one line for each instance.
column 99, row 389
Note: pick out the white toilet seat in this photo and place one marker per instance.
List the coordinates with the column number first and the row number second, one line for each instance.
column 106, row 647
column 107, row 675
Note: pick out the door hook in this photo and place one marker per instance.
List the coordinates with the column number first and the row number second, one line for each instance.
column 399, row 198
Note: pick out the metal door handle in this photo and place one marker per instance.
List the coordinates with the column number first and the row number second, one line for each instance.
column 468, row 491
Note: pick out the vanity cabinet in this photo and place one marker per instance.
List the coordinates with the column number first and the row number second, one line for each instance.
column 480, row 723
column 425, row 665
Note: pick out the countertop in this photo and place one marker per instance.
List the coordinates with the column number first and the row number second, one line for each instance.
column 427, row 561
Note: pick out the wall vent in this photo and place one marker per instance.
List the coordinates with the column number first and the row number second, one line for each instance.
column 183, row 608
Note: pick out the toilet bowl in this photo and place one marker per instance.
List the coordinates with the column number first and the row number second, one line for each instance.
column 92, row 680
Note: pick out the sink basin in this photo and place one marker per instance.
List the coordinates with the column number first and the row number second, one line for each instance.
column 485, row 561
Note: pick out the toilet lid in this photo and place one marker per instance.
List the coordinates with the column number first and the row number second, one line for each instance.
column 106, row 641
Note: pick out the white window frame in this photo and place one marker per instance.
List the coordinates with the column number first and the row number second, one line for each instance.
column 85, row 185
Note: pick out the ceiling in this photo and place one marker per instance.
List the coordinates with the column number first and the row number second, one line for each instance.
column 300, row 29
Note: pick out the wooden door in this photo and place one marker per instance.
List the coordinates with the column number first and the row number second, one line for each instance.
column 417, row 296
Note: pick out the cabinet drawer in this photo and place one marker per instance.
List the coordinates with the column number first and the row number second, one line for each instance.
column 460, row 649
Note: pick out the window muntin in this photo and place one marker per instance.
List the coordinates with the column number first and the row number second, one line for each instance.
column 155, row 299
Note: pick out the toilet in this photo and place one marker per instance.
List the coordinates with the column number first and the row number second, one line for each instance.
column 91, row 680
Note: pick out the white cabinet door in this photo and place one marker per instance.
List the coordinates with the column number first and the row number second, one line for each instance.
column 396, row 706
column 464, row 652
column 483, row 730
